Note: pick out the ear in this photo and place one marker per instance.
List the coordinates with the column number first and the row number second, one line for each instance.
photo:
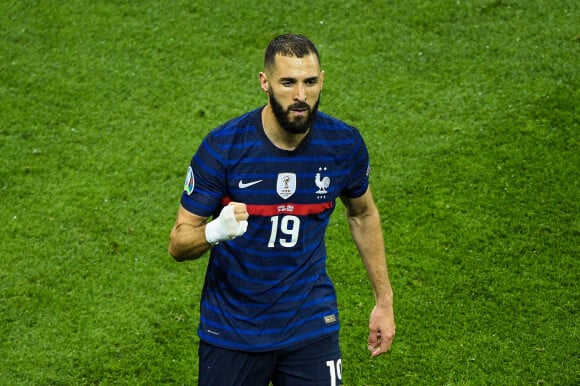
column 321, row 79
column 264, row 82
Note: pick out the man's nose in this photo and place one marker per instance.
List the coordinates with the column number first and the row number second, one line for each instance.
column 300, row 94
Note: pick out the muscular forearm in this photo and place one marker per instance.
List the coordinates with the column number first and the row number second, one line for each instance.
column 191, row 236
column 367, row 234
column 365, row 225
column 188, row 242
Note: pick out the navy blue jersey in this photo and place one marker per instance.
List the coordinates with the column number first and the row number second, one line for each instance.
column 269, row 288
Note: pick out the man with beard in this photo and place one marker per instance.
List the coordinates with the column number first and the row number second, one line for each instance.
column 269, row 180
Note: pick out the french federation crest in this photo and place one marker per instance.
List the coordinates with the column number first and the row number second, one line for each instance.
column 286, row 185
column 321, row 183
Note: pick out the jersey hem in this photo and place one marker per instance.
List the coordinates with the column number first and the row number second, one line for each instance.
column 252, row 348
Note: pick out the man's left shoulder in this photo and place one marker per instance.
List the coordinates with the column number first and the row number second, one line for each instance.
column 336, row 127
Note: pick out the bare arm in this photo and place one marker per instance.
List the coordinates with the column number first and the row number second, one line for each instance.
column 365, row 227
column 189, row 237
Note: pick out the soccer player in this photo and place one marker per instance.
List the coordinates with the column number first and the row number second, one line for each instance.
column 269, row 180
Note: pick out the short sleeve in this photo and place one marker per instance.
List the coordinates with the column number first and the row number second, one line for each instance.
column 358, row 181
column 205, row 180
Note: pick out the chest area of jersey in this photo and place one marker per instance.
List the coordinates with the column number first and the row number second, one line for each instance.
column 284, row 184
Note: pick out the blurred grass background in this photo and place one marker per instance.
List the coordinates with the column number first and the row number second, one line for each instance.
column 470, row 111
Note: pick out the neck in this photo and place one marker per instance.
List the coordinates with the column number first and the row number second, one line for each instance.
column 276, row 134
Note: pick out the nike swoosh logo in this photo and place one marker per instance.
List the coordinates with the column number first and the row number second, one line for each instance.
column 243, row 185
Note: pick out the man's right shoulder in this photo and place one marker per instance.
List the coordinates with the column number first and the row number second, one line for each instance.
column 235, row 125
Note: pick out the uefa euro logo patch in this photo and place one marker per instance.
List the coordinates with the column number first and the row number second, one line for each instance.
column 189, row 181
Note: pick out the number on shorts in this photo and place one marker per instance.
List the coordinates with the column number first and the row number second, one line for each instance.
column 335, row 371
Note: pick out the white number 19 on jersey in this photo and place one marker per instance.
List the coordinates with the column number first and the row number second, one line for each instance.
column 289, row 229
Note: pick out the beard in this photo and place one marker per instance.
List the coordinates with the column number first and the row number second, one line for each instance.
column 299, row 125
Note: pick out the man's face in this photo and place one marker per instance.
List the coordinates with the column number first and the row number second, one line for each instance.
column 294, row 87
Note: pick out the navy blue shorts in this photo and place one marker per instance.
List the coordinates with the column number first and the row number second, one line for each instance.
column 316, row 363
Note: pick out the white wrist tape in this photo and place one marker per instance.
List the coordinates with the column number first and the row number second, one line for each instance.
column 225, row 227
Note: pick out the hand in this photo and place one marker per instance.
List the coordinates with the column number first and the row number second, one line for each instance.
column 382, row 330
column 231, row 223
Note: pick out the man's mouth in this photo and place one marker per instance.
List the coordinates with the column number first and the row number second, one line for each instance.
column 300, row 108
column 300, row 112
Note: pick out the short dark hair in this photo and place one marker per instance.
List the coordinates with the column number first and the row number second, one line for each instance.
column 297, row 46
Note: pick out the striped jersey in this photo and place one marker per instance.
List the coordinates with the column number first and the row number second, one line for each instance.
column 269, row 288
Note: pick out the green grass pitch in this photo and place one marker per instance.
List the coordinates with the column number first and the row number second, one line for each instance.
column 470, row 111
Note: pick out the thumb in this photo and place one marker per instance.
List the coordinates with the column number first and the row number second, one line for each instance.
column 374, row 342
